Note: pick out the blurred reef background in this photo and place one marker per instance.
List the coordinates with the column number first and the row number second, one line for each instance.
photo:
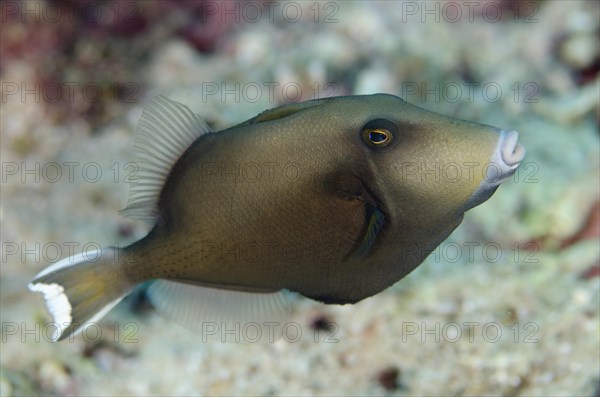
column 508, row 305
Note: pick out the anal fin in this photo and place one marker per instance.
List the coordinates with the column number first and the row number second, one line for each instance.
column 222, row 314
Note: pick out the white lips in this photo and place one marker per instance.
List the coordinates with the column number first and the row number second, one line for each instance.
column 505, row 159
column 503, row 163
column 512, row 152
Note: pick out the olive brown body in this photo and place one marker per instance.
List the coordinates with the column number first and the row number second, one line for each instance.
column 335, row 199
column 282, row 203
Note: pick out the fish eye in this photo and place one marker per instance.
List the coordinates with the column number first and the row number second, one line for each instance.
column 378, row 133
column 378, row 137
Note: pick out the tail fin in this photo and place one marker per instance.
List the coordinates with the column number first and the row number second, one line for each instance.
column 81, row 289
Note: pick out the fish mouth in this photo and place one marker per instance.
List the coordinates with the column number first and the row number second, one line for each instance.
column 504, row 161
column 512, row 152
column 506, row 158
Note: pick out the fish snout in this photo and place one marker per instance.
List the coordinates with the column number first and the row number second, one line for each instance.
column 503, row 163
column 505, row 159
column 512, row 152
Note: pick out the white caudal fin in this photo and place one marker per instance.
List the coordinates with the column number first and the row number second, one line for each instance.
column 81, row 289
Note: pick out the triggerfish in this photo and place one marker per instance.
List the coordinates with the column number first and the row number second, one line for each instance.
column 334, row 199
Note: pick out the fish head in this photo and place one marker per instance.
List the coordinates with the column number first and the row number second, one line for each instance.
column 425, row 169
column 425, row 157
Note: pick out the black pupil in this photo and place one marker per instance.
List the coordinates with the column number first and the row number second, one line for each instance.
column 377, row 137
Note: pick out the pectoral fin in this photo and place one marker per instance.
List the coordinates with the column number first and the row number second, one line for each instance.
column 375, row 220
column 351, row 188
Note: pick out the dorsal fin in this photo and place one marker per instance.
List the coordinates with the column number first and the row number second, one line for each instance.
column 165, row 130
column 286, row 110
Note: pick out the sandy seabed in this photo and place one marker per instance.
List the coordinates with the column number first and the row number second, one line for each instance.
column 508, row 305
